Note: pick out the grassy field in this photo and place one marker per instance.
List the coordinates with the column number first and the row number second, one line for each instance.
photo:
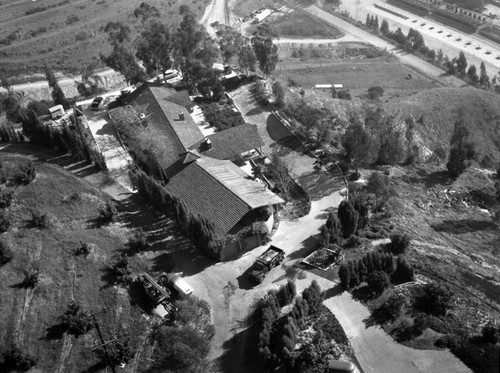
column 29, row 316
column 68, row 33
column 301, row 25
column 356, row 74
column 243, row 8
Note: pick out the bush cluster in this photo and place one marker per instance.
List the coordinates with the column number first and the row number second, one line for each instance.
column 434, row 299
column 31, row 276
column 6, row 253
column 278, row 335
column 26, row 173
column 75, row 321
column 399, row 243
column 17, row 360
column 355, row 271
column 40, row 220
column 221, row 117
column 108, row 213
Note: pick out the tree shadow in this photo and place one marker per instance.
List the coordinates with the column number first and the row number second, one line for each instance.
column 55, row 332
column 362, row 293
column 107, row 129
column 96, row 367
column 434, row 178
column 87, row 171
column 138, row 297
column 463, row 226
column 244, row 282
column 256, row 110
column 241, row 352
column 334, row 291
column 308, row 246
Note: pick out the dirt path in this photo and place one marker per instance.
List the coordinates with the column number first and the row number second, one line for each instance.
column 216, row 11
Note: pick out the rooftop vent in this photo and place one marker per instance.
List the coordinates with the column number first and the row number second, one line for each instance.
column 208, row 143
column 181, row 116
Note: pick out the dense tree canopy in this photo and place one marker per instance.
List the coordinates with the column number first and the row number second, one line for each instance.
column 265, row 50
column 154, row 47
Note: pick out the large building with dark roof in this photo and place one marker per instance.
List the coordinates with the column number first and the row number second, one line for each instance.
column 199, row 170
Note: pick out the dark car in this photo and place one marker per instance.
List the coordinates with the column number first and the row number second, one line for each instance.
column 97, row 103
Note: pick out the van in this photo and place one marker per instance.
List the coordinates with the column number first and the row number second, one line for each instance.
column 337, row 366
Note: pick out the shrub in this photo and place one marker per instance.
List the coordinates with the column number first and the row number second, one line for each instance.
column 375, row 92
column 108, row 213
column 348, row 217
column 26, row 173
column 378, row 281
column 40, row 220
column 491, row 332
column 121, row 352
column 6, row 198
column 399, row 243
column 84, row 249
column 434, row 299
column 139, row 241
column 379, row 184
column 4, row 222
column 404, row 271
column 287, row 293
column 15, row 359
column 75, row 321
column 392, row 307
column 31, row 276
column 6, row 254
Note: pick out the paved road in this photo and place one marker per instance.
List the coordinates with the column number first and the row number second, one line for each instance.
column 433, row 38
column 406, row 58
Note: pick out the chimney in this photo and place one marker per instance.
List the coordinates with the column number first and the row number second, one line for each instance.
column 181, row 116
column 208, row 143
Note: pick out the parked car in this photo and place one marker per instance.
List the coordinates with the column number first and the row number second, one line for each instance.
column 97, row 104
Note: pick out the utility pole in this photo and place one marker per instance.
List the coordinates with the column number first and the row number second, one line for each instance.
column 103, row 344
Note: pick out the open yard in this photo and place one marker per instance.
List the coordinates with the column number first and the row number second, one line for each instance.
column 66, row 33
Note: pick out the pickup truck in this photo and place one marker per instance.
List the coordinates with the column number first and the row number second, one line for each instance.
column 265, row 262
column 177, row 283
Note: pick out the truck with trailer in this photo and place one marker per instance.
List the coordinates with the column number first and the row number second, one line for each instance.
column 269, row 259
column 159, row 294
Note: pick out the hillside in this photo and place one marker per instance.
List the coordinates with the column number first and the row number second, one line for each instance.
column 30, row 316
column 66, row 33
column 437, row 110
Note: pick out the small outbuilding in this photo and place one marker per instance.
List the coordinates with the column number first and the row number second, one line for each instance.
column 57, row 112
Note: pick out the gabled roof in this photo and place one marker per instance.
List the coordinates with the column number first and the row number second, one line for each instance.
column 220, row 191
column 233, row 141
column 178, row 132
column 251, row 192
